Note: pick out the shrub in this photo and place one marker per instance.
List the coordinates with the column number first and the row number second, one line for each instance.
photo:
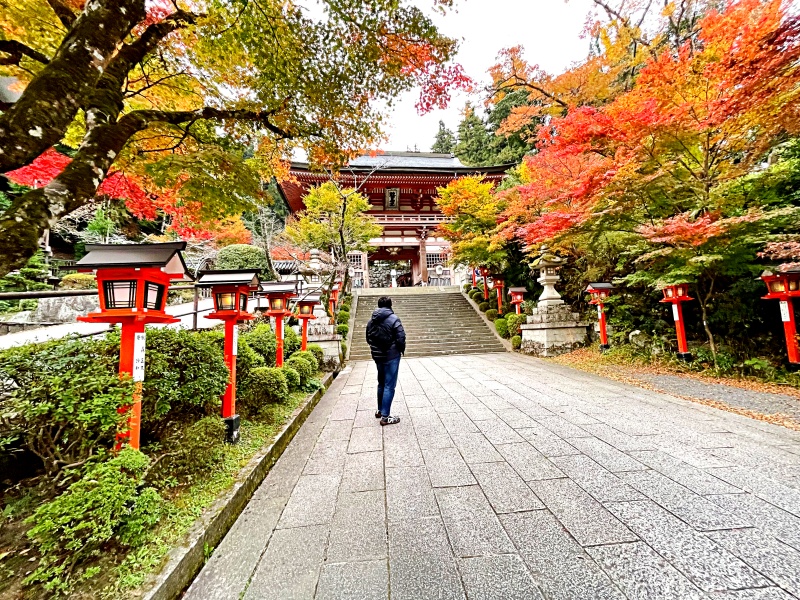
column 106, row 503
column 344, row 348
column 194, row 449
column 78, row 281
column 467, row 287
column 262, row 340
column 483, row 306
column 247, row 359
column 502, row 328
column 269, row 386
column 516, row 342
column 185, row 375
column 528, row 306
column 312, row 360
column 514, row 321
column 343, row 317
column 60, row 399
column 318, row 353
column 241, row 256
column 291, row 341
column 342, row 330
column 491, row 314
column 302, row 366
column 292, row 378
column 476, row 295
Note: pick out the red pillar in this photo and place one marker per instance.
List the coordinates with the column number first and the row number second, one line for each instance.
column 519, row 308
column 127, row 355
column 279, row 339
column 229, row 397
column 305, row 335
column 677, row 313
column 790, row 330
column 485, row 288
column 601, row 317
column 499, row 300
column 474, row 278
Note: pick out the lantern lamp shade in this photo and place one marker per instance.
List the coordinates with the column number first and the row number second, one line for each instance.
column 669, row 292
column 226, row 300
column 120, row 294
column 154, row 296
column 277, row 303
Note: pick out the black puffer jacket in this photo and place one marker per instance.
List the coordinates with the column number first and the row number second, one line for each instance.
column 384, row 319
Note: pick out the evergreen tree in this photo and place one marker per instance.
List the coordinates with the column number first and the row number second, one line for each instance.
column 445, row 140
column 474, row 140
column 510, row 147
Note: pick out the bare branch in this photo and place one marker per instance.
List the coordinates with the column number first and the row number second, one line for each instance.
column 16, row 50
column 63, row 12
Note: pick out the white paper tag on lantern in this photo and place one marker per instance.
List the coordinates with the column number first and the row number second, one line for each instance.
column 235, row 340
column 785, row 311
column 599, row 311
column 675, row 313
column 139, row 346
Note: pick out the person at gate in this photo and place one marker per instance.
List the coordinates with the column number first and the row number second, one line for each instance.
column 387, row 343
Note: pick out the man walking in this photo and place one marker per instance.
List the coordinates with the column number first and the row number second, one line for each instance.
column 387, row 343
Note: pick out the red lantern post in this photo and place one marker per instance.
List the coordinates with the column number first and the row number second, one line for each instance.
column 278, row 294
column 132, row 282
column 517, row 297
column 485, row 274
column 498, row 285
column 600, row 292
column 675, row 295
column 333, row 297
column 474, row 277
column 783, row 287
column 230, row 290
column 305, row 312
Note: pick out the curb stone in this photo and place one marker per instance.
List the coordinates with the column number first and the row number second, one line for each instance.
column 185, row 561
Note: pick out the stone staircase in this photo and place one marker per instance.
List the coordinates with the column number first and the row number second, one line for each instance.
column 438, row 321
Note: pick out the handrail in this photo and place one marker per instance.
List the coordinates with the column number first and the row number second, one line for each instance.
column 34, row 294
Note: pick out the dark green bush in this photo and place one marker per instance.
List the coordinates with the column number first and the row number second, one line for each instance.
column 502, row 327
column 491, row 314
column 343, row 317
column 106, row 504
column 262, row 339
column 78, row 281
column 514, row 321
column 185, row 375
column 195, row 449
column 302, row 366
column 59, row 399
column 247, row 359
column 312, row 360
column 342, row 330
column 483, row 306
column 318, row 353
column 269, row 386
column 292, row 378
column 241, row 256
column 516, row 342
column 476, row 295
column 344, row 348
column 467, row 287
column 291, row 341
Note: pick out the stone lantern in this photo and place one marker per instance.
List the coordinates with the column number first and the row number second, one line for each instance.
column 552, row 328
column 132, row 281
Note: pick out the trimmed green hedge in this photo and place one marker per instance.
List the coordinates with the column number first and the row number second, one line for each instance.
column 318, row 353
column 516, row 342
column 343, row 316
column 502, row 327
column 491, row 314
column 342, row 330
column 302, row 366
column 269, row 386
column 292, row 377
column 483, row 306
column 514, row 321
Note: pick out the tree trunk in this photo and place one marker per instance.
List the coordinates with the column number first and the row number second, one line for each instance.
column 704, row 300
column 49, row 104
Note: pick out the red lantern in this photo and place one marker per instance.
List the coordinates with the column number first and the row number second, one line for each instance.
column 675, row 295
column 783, row 287
column 485, row 274
column 132, row 280
column 600, row 291
column 305, row 312
column 517, row 297
column 333, row 297
column 278, row 294
column 498, row 285
column 230, row 290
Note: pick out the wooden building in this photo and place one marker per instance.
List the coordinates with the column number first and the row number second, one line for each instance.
column 401, row 187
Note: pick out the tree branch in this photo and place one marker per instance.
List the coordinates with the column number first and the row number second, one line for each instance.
column 16, row 50
column 63, row 12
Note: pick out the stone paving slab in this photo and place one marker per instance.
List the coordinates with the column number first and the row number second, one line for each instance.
column 511, row 477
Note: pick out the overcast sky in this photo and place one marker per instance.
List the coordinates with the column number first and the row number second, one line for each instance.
column 550, row 31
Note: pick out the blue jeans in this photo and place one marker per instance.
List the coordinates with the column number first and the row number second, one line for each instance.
column 387, row 380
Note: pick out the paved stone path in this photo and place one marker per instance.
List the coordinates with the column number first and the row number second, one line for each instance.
column 513, row 478
column 762, row 402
